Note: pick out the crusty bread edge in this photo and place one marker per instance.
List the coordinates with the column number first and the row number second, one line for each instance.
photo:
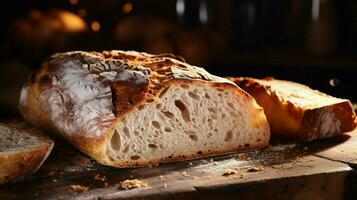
column 310, row 128
column 18, row 165
column 275, row 107
column 304, row 127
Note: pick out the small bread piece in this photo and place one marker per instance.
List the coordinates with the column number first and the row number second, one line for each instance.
column 298, row 113
column 128, row 109
column 22, row 152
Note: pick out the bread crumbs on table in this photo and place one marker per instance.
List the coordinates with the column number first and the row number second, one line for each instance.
column 229, row 172
column 84, row 161
column 161, row 177
column 79, row 188
column 134, row 183
column 255, row 169
column 98, row 177
column 165, row 185
column 242, row 156
column 184, row 173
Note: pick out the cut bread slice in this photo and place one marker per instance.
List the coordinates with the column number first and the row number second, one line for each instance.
column 22, row 152
column 298, row 113
column 189, row 120
column 128, row 109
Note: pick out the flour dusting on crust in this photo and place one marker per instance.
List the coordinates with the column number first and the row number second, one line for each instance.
column 79, row 92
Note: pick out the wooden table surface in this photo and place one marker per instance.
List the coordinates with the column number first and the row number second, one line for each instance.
column 317, row 170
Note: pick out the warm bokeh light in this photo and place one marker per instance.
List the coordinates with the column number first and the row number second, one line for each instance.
column 73, row 2
column 71, row 21
column 95, row 26
column 128, row 7
column 82, row 13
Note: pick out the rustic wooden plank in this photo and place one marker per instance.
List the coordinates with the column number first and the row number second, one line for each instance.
column 307, row 178
column 341, row 148
column 284, row 169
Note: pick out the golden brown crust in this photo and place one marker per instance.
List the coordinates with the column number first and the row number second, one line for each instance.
column 292, row 122
column 312, row 123
column 18, row 164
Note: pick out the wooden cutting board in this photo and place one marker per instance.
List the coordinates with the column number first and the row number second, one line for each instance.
column 316, row 170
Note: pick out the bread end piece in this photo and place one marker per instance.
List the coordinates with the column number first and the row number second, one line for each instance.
column 22, row 152
column 298, row 113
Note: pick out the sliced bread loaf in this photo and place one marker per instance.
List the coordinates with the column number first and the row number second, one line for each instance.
column 298, row 113
column 22, row 152
column 128, row 109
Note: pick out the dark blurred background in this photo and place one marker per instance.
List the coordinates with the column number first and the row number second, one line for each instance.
column 309, row 41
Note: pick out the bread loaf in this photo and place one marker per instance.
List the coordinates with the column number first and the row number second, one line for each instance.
column 22, row 152
column 128, row 109
column 298, row 113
